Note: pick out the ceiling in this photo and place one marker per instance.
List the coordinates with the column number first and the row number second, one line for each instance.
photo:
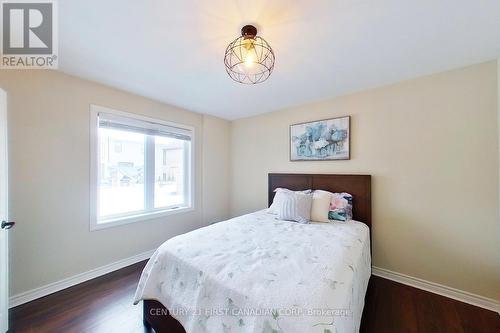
column 172, row 50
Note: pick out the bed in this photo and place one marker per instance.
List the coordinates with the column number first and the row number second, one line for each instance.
column 255, row 273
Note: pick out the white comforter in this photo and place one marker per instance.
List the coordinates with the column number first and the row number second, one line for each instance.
column 255, row 273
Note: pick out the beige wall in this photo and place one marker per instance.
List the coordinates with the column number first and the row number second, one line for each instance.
column 431, row 146
column 215, row 169
column 498, row 151
column 48, row 115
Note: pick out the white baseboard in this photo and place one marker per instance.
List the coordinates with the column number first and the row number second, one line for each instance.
column 51, row 288
column 460, row 295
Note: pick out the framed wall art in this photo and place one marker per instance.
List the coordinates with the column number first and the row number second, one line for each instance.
column 321, row 140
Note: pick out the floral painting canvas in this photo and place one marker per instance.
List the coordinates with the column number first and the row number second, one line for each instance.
column 320, row 140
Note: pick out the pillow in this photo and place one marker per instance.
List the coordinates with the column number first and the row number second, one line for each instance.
column 295, row 206
column 320, row 206
column 278, row 199
column 340, row 207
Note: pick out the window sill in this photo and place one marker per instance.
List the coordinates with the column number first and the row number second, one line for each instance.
column 114, row 222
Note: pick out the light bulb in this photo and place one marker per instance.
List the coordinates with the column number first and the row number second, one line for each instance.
column 250, row 49
column 249, row 60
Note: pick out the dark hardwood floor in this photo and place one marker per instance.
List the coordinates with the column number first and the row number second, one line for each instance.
column 100, row 305
column 395, row 307
column 105, row 305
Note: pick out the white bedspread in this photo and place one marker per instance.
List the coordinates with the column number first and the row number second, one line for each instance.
column 255, row 273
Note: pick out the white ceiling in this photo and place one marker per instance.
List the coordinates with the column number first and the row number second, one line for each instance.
column 172, row 50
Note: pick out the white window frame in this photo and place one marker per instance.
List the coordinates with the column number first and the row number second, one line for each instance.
column 117, row 220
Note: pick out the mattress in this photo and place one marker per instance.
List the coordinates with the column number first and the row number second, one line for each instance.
column 255, row 273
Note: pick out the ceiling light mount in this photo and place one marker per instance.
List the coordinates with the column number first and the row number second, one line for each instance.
column 249, row 31
column 249, row 59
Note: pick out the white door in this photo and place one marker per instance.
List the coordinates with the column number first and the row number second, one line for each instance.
column 4, row 294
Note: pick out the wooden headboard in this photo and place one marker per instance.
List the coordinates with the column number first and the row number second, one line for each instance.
column 359, row 186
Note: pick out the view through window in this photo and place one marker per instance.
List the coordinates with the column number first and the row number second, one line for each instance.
column 143, row 168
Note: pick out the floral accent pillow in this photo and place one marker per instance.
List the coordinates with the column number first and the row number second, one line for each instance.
column 340, row 207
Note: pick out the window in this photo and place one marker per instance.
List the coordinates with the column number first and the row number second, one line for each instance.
column 118, row 147
column 141, row 168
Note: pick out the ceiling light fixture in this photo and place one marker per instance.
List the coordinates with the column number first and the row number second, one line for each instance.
column 249, row 59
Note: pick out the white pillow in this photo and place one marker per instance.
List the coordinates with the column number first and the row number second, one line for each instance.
column 296, row 207
column 320, row 206
column 278, row 199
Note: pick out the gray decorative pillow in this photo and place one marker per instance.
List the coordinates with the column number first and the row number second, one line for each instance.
column 295, row 206
column 278, row 198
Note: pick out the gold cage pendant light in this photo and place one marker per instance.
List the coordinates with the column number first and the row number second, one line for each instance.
column 249, row 59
